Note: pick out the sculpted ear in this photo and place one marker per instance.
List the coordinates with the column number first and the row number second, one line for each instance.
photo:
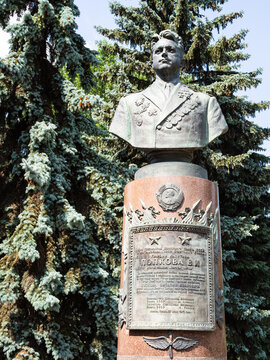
column 183, row 62
column 154, row 40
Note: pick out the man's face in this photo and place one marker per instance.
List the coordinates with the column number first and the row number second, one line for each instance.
column 167, row 57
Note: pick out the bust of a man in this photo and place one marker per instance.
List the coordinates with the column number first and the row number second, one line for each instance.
column 168, row 115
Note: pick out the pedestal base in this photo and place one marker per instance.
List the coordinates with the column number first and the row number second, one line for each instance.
column 157, row 200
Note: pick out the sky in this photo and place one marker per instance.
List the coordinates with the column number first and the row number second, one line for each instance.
column 255, row 19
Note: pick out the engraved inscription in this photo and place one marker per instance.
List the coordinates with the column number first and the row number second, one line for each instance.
column 171, row 282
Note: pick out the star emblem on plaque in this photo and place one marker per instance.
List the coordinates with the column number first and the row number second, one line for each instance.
column 184, row 239
column 170, row 197
column 154, row 240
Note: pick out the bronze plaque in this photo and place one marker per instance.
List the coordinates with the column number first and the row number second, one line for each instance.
column 171, row 277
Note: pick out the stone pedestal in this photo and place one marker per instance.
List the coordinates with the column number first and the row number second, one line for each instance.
column 188, row 207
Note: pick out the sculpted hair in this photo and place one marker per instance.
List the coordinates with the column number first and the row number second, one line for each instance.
column 170, row 35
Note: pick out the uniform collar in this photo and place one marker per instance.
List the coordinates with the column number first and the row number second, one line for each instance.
column 162, row 84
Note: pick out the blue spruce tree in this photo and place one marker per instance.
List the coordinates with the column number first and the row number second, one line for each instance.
column 60, row 222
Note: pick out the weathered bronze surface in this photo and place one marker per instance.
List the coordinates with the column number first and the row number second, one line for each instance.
column 171, row 277
column 170, row 197
column 168, row 115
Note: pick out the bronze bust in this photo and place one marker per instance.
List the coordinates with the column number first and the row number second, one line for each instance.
column 168, row 115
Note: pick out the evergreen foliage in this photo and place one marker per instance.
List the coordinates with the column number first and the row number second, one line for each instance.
column 233, row 160
column 60, row 197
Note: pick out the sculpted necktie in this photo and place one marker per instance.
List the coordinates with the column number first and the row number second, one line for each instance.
column 167, row 91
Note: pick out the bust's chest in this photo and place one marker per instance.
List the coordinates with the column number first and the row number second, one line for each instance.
column 176, row 113
column 144, row 111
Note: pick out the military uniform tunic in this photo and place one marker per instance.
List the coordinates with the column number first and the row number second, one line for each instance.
column 185, row 120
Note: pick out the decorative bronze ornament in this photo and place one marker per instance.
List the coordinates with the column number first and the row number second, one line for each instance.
column 180, row 343
column 170, row 197
column 148, row 215
column 171, row 284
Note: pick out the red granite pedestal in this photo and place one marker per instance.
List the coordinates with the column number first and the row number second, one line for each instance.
column 211, row 344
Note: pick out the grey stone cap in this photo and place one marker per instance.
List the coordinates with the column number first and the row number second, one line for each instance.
column 171, row 168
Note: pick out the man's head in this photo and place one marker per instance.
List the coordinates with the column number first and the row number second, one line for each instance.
column 168, row 52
